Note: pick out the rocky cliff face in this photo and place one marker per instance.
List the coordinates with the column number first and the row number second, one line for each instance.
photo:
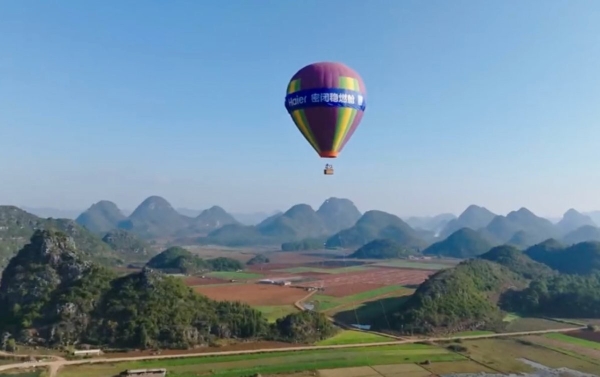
column 47, row 290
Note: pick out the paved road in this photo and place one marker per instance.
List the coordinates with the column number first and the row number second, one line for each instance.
column 56, row 364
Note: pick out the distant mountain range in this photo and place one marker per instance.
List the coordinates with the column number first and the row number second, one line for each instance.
column 337, row 223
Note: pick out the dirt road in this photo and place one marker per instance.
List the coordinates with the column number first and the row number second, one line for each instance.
column 56, row 364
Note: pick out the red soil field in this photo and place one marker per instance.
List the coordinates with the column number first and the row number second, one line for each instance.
column 340, row 285
column 253, row 294
column 587, row 335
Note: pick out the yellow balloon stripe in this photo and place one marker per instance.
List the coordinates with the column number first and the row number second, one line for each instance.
column 345, row 114
column 300, row 118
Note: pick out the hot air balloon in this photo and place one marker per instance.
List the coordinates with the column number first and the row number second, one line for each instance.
column 326, row 102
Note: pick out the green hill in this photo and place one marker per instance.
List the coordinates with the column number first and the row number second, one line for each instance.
column 582, row 234
column 258, row 259
column 582, row 258
column 382, row 249
column 52, row 295
column 17, row 227
column 518, row 262
column 155, row 218
column 298, row 222
column 127, row 244
column 522, row 239
column 573, row 220
column 304, row 244
column 208, row 220
column 474, row 217
column 338, row 214
column 377, row 225
column 537, row 228
column 462, row 298
column 560, row 296
column 101, row 217
column 178, row 259
column 51, row 287
column 464, row 243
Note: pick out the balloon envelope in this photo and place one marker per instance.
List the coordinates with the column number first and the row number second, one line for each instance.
column 326, row 102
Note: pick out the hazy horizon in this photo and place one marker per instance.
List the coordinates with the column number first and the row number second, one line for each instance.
column 494, row 104
column 74, row 212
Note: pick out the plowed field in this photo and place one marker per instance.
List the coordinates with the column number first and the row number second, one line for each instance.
column 253, row 294
column 340, row 285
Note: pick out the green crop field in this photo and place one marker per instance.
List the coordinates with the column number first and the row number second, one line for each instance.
column 403, row 263
column 354, row 337
column 278, row 311
column 371, row 311
column 37, row 373
column 573, row 340
column 327, row 303
column 234, row 275
column 533, row 324
column 271, row 363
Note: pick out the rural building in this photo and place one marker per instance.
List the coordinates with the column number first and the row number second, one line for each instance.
column 87, row 352
column 162, row 372
column 266, row 281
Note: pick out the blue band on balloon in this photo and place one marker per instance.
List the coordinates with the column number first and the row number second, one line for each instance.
column 325, row 97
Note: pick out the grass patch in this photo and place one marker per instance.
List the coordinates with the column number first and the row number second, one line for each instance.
column 327, row 303
column 234, row 275
column 511, row 317
column 273, row 363
column 17, row 373
column 272, row 313
column 403, row 263
column 354, row 337
column 573, row 340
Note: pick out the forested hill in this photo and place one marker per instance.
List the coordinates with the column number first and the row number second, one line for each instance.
column 53, row 294
column 547, row 280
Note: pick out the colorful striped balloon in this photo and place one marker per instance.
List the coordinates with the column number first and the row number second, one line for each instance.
column 326, row 102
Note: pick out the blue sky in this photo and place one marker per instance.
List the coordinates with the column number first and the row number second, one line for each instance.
column 489, row 102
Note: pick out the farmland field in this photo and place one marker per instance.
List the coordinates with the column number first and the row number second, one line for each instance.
column 272, row 313
column 503, row 356
column 533, row 324
column 580, row 341
column 197, row 280
column 572, row 346
column 340, row 270
column 408, row 264
column 270, row 363
column 592, row 336
column 354, row 337
column 340, row 285
column 253, row 294
column 326, row 303
column 371, row 312
column 234, row 275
